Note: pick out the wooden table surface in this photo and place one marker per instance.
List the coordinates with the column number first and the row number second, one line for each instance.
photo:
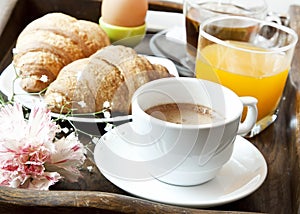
column 279, row 143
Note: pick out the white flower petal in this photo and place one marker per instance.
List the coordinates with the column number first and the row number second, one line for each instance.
column 106, row 114
column 108, row 127
column 70, row 154
column 106, row 104
column 82, row 104
column 44, row 78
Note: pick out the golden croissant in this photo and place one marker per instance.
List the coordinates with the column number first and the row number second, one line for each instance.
column 111, row 75
column 51, row 42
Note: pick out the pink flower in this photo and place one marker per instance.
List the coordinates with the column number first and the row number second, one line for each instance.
column 30, row 155
column 68, row 156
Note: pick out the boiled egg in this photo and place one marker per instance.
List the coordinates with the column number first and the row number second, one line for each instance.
column 125, row 13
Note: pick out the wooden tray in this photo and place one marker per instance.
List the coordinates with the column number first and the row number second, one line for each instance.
column 280, row 143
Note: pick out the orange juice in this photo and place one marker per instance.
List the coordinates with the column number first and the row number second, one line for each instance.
column 256, row 73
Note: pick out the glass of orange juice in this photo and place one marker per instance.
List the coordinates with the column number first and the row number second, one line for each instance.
column 250, row 56
column 197, row 11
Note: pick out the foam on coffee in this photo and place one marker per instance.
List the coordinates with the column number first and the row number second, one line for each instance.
column 184, row 113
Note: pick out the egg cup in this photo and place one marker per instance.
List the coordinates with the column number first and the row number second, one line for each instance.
column 127, row 36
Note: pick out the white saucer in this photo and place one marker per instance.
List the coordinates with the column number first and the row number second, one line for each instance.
column 115, row 157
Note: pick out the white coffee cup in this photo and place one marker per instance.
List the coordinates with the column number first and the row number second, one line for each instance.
column 190, row 154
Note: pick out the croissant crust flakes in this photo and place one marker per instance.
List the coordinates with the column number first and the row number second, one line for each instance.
column 51, row 42
column 111, row 75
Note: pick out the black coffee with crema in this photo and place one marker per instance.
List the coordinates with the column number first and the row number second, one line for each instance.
column 184, row 113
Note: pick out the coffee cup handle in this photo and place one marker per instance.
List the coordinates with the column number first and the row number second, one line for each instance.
column 251, row 117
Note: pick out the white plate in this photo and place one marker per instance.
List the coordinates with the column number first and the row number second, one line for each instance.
column 173, row 38
column 159, row 20
column 7, row 84
column 240, row 176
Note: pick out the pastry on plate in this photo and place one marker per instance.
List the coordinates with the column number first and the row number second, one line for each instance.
column 51, row 42
column 110, row 75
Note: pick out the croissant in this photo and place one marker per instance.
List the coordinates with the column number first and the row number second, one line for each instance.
column 111, row 75
column 51, row 42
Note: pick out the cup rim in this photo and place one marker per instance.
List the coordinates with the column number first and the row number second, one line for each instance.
column 264, row 22
column 121, row 28
column 227, row 120
column 262, row 10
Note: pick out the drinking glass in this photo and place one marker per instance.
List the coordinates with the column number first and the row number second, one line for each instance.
column 250, row 56
column 197, row 11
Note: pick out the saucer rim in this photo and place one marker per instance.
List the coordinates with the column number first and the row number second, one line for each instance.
column 262, row 173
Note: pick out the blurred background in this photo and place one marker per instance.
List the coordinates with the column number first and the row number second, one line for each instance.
column 154, row 21
column 280, row 6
